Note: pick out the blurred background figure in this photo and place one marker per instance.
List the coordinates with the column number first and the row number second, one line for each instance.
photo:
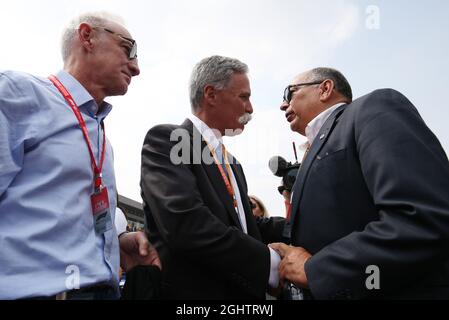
column 259, row 209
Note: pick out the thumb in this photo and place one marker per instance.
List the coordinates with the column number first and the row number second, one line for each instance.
column 280, row 248
column 142, row 243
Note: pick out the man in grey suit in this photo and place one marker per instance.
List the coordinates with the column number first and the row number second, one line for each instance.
column 370, row 209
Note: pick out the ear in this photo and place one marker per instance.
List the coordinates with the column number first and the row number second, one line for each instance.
column 85, row 36
column 210, row 94
column 326, row 89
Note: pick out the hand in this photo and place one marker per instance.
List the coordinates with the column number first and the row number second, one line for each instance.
column 135, row 250
column 291, row 267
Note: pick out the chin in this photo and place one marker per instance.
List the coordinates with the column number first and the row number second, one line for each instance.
column 120, row 91
column 293, row 127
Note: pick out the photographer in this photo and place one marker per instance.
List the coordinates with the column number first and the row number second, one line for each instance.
column 288, row 171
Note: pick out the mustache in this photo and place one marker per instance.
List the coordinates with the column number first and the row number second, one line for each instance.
column 245, row 118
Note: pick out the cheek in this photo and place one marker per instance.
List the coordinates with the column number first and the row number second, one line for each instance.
column 300, row 111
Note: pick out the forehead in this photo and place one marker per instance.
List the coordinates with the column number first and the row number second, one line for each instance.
column 239, row 81
column 300, row 78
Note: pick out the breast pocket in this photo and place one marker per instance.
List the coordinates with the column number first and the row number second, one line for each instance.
column 330, row 167
column 330, row 155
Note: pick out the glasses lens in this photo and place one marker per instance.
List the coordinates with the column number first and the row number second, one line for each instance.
column 287, row 94
column 133, row 52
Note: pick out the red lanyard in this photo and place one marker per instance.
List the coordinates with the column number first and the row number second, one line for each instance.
column 226, row 177
column 97, row 170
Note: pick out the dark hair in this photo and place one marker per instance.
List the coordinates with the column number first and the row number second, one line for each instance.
column 260, row 204
column 341, row 84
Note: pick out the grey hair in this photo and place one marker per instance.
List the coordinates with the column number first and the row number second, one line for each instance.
column 99, row 19
column 341, row 84
column 215, row 71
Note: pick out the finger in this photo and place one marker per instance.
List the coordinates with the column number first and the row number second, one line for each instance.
column 155, row 260
column 143, row 243
column 280, row 248
column 157, row 263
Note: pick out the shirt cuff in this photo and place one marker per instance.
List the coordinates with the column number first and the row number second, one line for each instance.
column 275, row 259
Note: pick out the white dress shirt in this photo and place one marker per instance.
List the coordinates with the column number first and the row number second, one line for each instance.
column 315, row 125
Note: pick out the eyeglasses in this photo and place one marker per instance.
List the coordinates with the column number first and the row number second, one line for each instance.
column 253, row 205
column 132, row 53
column 288, row 92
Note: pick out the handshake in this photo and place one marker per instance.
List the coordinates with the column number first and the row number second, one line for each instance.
column 291, row 268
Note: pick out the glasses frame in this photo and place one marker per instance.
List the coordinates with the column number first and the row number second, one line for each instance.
column 288, row 92
column 133, row 52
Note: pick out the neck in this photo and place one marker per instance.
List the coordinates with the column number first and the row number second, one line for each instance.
column 209, row 120
column 329, row 105
column 83, row 77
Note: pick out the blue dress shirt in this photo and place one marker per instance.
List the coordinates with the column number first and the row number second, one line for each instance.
column 46, row 180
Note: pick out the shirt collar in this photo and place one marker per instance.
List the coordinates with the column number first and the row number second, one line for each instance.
column 81, row 96
column 214, row 139
column 315, row 125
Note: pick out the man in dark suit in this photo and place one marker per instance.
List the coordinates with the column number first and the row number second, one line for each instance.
column 370, row 209
column 196, row 205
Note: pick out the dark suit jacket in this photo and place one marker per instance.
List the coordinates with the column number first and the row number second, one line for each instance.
column 192, row 222
column 374, row 190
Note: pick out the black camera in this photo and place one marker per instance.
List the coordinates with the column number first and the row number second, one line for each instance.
column 287, row 170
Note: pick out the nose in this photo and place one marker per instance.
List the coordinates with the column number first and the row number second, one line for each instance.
column 284, row 105
column 249, row 107
column 134, row 67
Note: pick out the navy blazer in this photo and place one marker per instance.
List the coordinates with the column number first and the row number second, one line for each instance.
column 374, row 190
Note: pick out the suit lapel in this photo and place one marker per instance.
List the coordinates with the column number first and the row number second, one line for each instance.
column 212, row 172
column 316, row 146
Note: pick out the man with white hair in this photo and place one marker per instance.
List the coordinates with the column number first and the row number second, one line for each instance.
column 196, row 198
column 57, row 184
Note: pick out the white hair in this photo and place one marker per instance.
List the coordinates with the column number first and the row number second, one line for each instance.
column 99, row 19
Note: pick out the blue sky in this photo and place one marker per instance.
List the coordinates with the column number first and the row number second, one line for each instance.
column 277, row 39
